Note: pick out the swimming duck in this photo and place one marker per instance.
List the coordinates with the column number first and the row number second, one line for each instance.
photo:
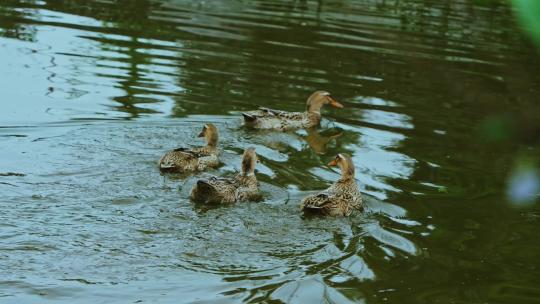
column 219, row 190
column 193, row 159
column 340, row 198
column 265, row 118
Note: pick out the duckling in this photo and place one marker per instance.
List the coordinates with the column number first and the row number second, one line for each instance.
column 219, row 190
column 193, row 159
column 340, row 198
column 265, row 118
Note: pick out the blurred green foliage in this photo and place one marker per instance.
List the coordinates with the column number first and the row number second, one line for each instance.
column 528, row 13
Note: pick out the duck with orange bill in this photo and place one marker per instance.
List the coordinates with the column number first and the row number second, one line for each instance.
column 193, row 159
column 265, row 118
column 339, row 199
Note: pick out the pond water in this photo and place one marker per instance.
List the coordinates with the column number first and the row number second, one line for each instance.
column 441, row 117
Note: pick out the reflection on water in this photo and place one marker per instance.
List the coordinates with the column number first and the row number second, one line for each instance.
column 440, row 105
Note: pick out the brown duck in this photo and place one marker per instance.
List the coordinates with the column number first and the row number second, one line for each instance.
column 265, row 118
column 339, row 199
column 193, row 159
column 220, row 190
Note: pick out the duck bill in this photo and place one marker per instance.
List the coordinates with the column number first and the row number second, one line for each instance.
column 333, row 163
column 201, row 134
column 334, row 103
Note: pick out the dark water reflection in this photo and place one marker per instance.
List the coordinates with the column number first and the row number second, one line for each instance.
column 441, row 113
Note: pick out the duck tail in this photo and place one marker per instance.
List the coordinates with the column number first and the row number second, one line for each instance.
column 312, row 209
column 203, row 192
column 166, row 166
column 205, row 186
column 249, row 118
column 314, row 204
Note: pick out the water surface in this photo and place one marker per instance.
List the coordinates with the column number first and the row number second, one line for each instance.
column 441, row 119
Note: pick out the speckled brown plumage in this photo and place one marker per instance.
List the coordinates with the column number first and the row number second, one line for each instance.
column 193, row 159
column 265, row 118
column 220, row 190
column 339, row 199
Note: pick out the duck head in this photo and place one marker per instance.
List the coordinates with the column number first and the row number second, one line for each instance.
column 249, row 161
column 344, row 162
column 210, row 133
column 320, row 98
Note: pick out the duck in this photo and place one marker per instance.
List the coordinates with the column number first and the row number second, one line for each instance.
column 265, row 118
column 341, row 198
column 222, row 190
column 193, row 159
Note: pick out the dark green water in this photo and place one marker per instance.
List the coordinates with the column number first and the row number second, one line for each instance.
column 442, row 119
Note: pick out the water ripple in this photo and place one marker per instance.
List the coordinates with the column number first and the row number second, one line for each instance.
column 97, row 90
